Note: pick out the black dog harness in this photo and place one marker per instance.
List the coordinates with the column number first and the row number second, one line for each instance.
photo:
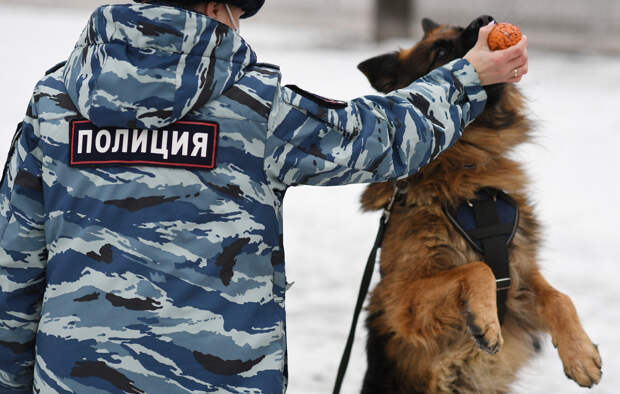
column 489, row 223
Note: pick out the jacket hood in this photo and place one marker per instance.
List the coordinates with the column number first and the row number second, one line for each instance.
column 147, row 66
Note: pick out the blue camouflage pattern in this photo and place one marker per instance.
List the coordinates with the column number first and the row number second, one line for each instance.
column 142, row 279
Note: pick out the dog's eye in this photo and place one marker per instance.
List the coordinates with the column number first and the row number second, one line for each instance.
column 441, row 53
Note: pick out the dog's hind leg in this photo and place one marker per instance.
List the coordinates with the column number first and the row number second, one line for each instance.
column 557, row 314
column 420, row 311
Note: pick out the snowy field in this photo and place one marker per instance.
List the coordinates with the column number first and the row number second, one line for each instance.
column 576, row 103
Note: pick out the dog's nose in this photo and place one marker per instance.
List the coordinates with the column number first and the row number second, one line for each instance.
column 470, row 34
column 479, row 22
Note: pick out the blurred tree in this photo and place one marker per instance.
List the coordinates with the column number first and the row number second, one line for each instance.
column 393, row 18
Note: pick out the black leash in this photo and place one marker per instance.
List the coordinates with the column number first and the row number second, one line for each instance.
column 399, row 191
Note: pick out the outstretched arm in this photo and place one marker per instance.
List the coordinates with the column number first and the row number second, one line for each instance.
column 372, row 138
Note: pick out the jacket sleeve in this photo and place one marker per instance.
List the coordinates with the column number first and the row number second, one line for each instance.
column 372, row 138
column 23, row 256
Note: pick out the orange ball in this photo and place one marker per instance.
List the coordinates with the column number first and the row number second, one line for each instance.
column 504, row 35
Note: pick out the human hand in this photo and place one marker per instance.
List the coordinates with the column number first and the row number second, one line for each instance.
column 498, row 66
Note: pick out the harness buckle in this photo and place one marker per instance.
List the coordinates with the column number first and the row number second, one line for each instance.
column 503, row 284
column 400, row 191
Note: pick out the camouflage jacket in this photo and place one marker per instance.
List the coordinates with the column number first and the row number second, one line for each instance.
column 141, row 205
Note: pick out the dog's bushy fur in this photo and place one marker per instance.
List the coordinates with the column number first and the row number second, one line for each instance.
column 433, row 325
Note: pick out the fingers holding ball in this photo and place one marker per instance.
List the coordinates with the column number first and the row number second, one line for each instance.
column 500, row 54
column 504, row 36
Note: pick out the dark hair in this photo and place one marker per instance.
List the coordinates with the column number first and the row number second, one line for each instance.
column 187, row 4
column 250, row 7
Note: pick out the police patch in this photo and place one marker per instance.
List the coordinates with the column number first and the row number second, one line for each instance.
column 182, row 144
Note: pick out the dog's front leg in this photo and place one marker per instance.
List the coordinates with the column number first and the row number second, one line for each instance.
column 420, row 311
column 580, row 357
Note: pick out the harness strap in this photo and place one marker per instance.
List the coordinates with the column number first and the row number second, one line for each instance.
column 495, row 249
column 399, row 191
column 498, row 229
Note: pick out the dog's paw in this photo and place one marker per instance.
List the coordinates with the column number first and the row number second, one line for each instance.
column 581, row 360
column 487, row 334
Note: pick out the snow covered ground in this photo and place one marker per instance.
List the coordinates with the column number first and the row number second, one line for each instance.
column 575, row 101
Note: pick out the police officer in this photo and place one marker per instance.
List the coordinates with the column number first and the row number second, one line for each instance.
column 141, row 227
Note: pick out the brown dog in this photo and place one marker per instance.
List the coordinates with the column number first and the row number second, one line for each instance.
column 433, row 322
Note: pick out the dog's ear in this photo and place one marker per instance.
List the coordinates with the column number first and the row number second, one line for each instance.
column 429, row 25
column 382, row 71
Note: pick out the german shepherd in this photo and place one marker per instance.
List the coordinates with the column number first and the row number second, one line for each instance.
column 433, row 322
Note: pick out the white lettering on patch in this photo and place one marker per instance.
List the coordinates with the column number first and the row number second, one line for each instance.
column 182, row 144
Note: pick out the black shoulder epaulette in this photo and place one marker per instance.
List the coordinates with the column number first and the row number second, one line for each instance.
column 320, row 100
column 267, row 65
column 55, row 68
